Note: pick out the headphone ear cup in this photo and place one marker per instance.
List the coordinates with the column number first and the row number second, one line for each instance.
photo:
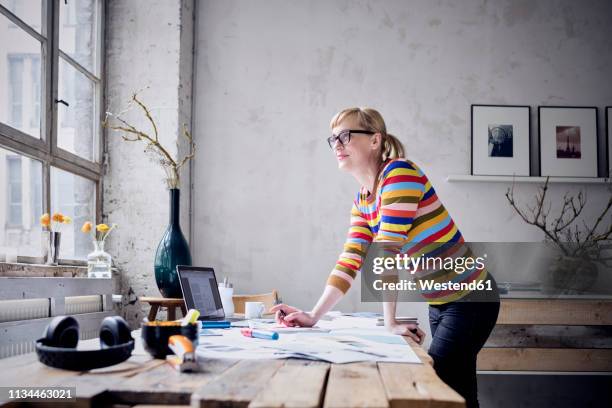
column 62, row 331
column 113, row 331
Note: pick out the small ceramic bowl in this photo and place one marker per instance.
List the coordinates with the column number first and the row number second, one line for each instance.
column 155, row 336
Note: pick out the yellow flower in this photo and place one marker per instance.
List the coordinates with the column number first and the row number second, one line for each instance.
column 86, row 228
column 45, row 220
column 102, row 227
column 57, row 217
column 67, row 220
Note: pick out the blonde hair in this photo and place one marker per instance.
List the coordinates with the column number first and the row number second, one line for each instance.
column 370, row 119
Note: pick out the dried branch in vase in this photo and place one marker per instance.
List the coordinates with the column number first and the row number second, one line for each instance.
column 563, row 230
column 154, row 149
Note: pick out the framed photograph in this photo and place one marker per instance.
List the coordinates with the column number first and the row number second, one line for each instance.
column 568, row 141
column 609, row 138
column 500, row 140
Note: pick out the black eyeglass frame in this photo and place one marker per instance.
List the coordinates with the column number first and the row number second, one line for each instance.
column 346, row 135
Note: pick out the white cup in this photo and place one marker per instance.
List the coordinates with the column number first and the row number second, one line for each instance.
column 254, row 310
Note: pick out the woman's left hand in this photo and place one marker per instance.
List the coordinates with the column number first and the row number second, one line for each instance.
column 407, row 329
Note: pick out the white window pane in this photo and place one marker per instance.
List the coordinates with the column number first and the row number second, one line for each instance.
column 20, row 204
column 76, row 123
column 20, row 79
column 74, row 196
column 30, row 11
column 78, row 33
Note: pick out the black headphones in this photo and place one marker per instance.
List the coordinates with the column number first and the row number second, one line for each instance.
column 57, row 347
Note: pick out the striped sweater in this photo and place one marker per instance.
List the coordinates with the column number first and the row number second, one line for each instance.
column 405, row 210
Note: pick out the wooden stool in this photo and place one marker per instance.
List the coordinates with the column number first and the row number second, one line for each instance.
column 170, row 303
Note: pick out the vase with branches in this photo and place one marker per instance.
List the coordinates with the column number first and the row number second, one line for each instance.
column 173, row 248
column 580, row 246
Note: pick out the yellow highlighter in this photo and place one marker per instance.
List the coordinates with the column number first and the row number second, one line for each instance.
column 191, row 317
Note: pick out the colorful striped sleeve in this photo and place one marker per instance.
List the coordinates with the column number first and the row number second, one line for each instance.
column 403, row 185
column 355, row 248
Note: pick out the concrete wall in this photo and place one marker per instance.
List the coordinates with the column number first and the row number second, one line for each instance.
column 270, row 207
column 148, row 44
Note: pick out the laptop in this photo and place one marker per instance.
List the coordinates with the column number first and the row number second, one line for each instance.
column 201, row 292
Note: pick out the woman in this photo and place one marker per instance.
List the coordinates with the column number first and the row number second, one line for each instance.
column 396, row 203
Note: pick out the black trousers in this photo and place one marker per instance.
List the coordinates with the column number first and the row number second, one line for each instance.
column 459, row 330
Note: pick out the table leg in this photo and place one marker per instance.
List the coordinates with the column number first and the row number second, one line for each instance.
column 153, row 312
column 171, row 312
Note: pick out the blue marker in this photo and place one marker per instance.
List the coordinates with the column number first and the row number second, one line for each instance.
column 260, row 334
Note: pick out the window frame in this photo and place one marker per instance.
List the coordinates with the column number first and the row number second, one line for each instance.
column 45, row 149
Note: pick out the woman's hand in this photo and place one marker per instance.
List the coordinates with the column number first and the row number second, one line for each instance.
column 407, row 329
column 292, row 317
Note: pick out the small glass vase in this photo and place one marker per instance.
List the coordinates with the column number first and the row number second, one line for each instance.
column 51, row 247
column 99, row 262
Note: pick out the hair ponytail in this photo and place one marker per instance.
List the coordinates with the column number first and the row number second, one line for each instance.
column 392, row 147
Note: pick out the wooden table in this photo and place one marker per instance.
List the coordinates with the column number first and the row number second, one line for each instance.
column 235, row 383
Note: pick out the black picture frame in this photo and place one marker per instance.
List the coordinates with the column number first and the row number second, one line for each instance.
column 597, row 147
column 477, row 105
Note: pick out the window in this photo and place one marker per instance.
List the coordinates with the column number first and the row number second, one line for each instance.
column 29, row 11
column 50, row 127
column 24, row 92
column 74, row 195
column 14, row 190
column 20, row 203
column 15, row 85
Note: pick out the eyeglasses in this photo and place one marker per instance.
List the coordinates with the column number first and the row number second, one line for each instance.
column 344, row 137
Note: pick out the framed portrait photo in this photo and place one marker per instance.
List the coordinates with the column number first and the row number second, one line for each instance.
column 500, row 140
column 568, row 141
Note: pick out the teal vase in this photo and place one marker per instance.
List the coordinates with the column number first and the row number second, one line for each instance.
column 172, row 250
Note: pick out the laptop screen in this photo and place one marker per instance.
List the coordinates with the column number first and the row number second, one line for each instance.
column 200, row 291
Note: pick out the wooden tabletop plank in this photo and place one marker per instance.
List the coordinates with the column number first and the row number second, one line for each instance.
column 165, row 385
column 237, row 386
column 417, row 385
column 34, row 373
column 419, row 351
column 355, row 385
column 281, row 390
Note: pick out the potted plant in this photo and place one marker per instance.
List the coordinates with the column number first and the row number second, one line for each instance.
column 99, row 262
column 580, row 247
column 52, row 230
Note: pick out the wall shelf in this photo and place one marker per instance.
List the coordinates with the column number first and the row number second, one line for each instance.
column 529, row 179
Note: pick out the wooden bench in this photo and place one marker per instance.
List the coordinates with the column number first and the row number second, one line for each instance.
column 552, row 335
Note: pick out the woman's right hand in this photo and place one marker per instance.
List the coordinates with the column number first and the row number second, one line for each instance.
column 291, row 316
column 407, row 329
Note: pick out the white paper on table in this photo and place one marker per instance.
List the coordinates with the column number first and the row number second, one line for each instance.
column 286, row 329
column 346, row 348
column 335, row 348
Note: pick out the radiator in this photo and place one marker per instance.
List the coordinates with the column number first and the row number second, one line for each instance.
column 26, row 309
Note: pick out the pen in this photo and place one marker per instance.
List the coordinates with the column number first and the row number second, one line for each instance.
column 219, row 324
column 260, row 334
